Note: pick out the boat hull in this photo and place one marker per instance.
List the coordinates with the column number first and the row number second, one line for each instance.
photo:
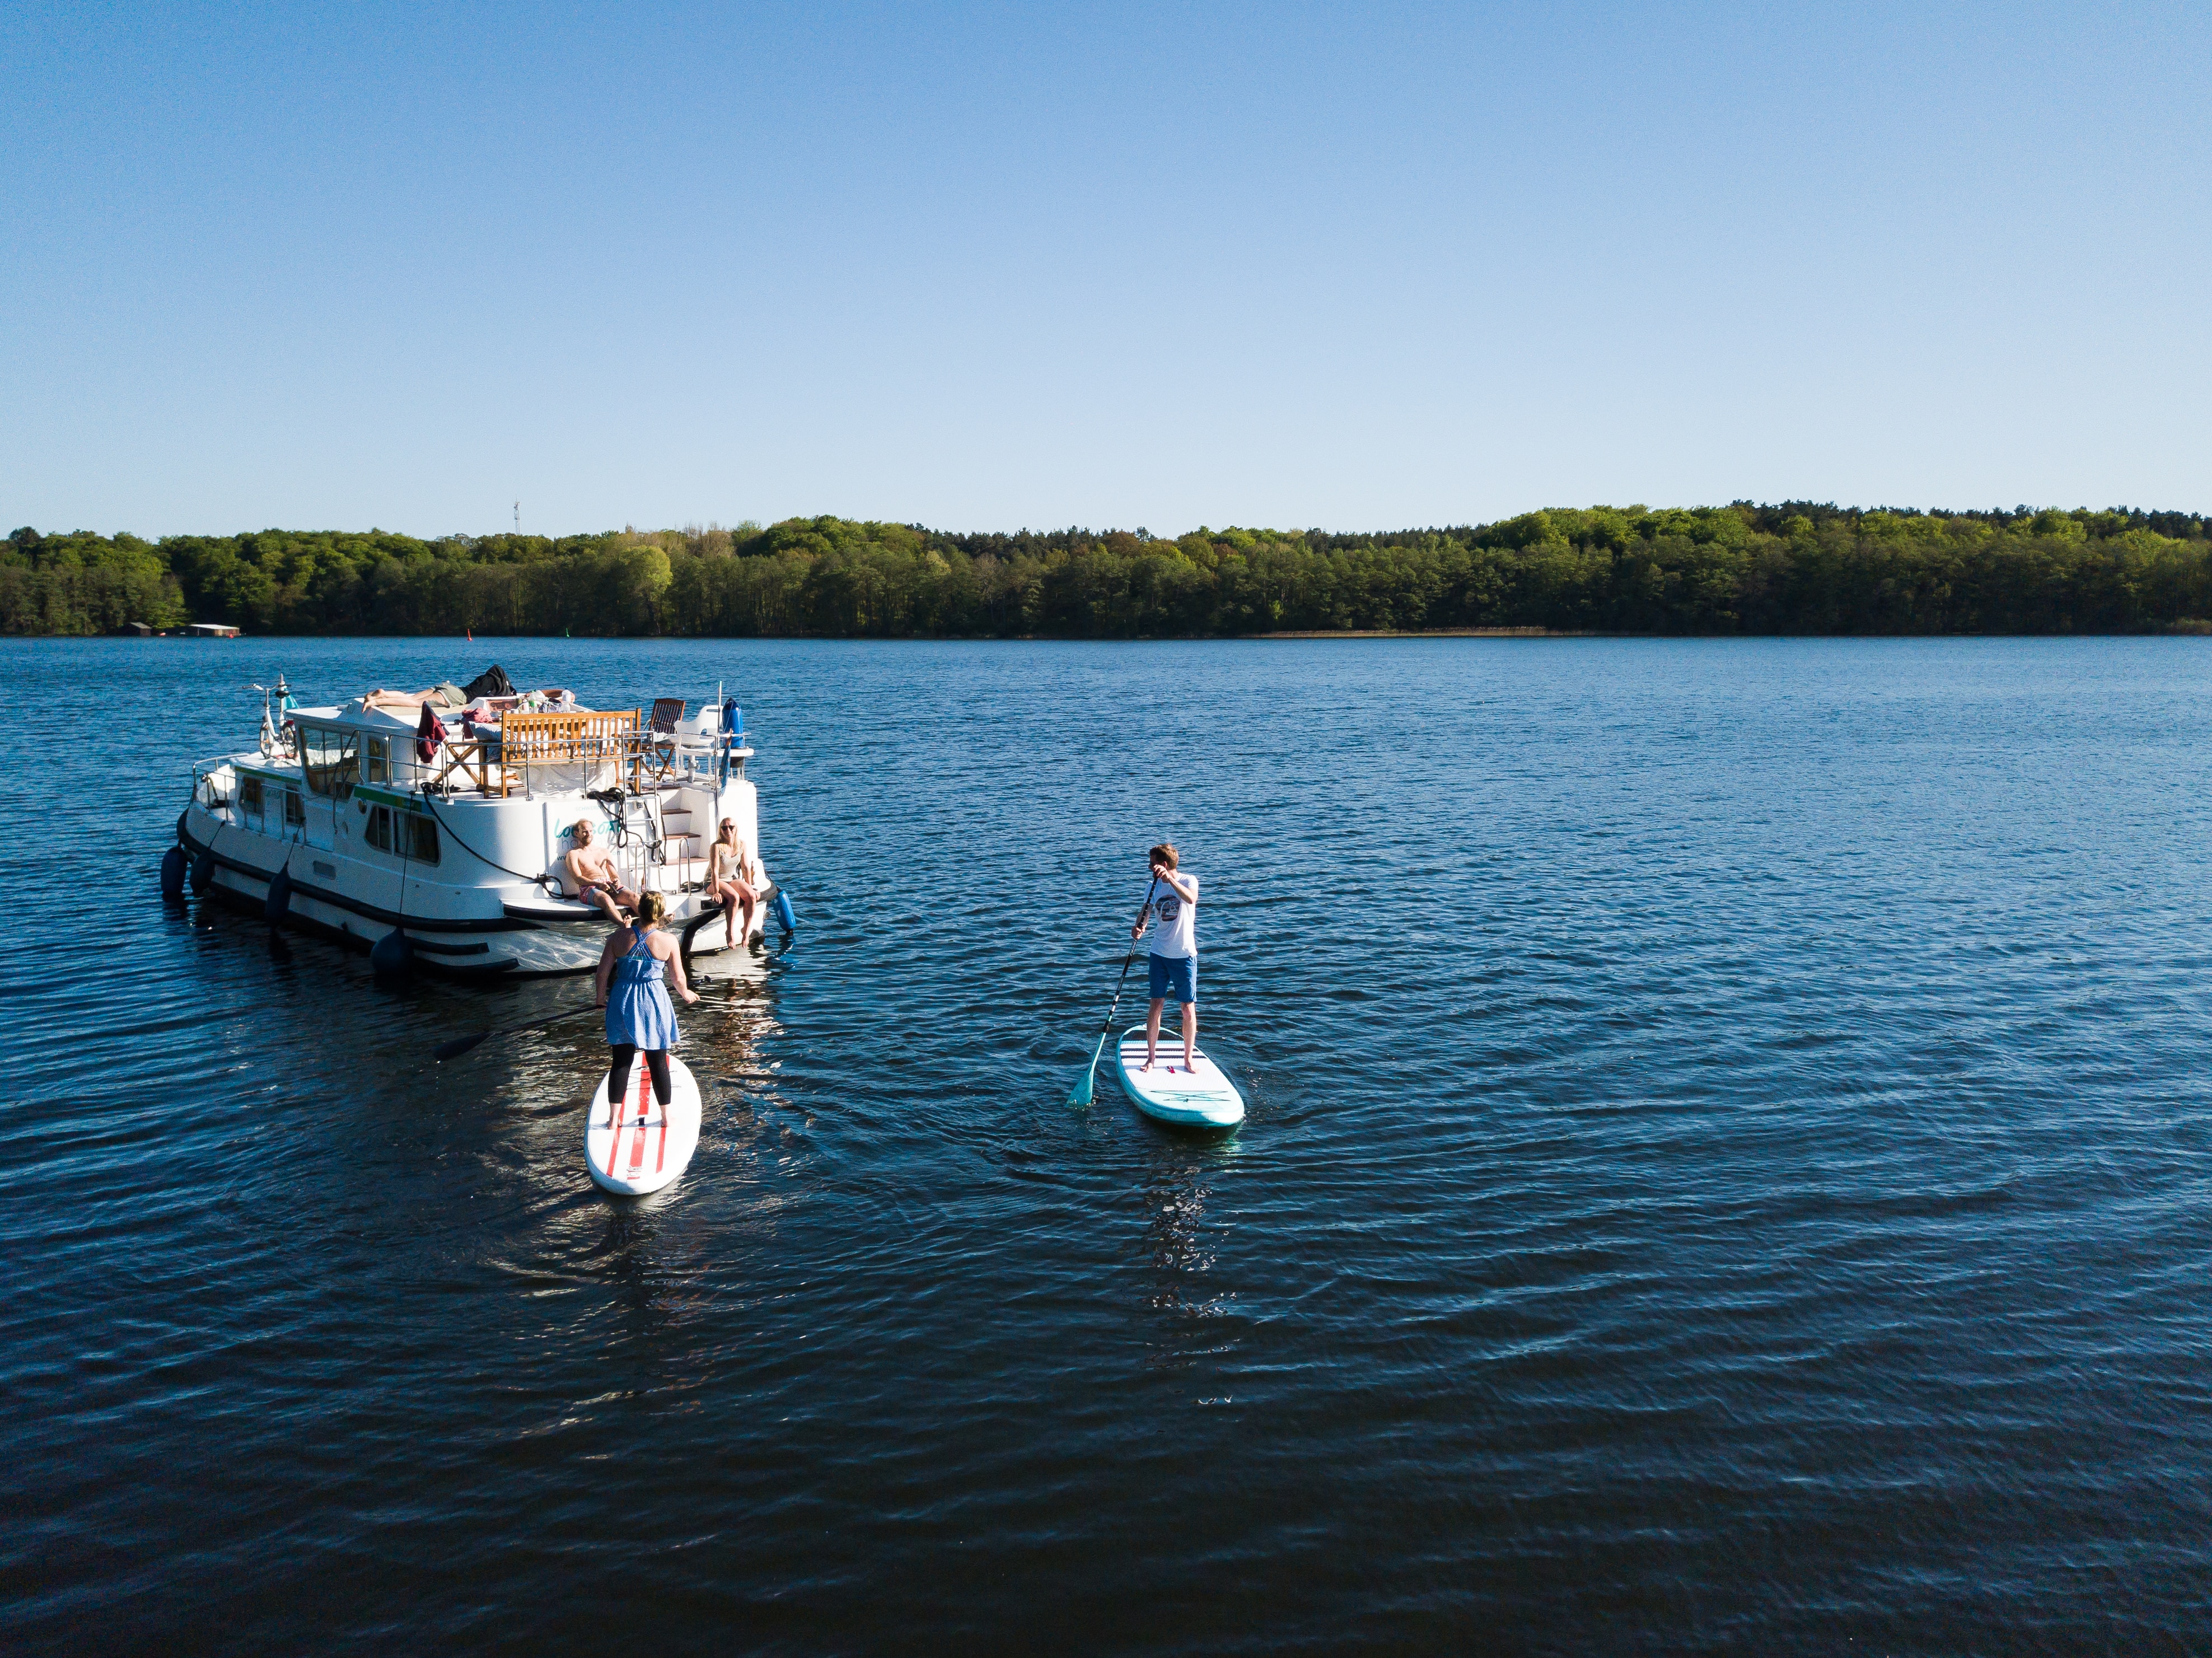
column 550, row 936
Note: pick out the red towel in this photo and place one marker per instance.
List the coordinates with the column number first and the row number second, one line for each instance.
column 429, row 735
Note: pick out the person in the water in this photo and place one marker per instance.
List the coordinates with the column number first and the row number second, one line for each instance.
column 1173, row 905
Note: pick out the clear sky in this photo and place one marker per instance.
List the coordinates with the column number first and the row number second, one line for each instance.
column 983, row 267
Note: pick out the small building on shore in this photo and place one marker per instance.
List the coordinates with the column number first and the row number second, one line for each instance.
column 209, row 631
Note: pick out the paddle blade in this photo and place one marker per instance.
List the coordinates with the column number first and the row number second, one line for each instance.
column 1081, row 1095
column 458, row 1045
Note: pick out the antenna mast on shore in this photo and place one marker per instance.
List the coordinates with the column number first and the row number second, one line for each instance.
column 517, row 518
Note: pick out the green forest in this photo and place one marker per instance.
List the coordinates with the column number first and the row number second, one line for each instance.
column 1796, row 567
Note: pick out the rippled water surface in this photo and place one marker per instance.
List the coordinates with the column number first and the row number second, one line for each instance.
column 1727, row 1171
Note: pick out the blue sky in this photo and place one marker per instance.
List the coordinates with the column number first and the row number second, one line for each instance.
column 988, row 267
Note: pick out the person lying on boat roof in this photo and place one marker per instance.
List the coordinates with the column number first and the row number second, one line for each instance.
column 546, row 699
column 445, row 697
column 596, row 877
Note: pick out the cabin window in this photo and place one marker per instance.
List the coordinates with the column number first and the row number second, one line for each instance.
column 405, row 833
column 328, row 756
column 295, row 810
column 376, row 759
column 249, row 795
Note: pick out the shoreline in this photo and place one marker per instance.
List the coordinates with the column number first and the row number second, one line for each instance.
column 1444, row 632
column 2187, row 628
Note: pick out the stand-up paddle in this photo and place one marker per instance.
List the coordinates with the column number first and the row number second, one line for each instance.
column 1081, row 1097
column 460, row 1045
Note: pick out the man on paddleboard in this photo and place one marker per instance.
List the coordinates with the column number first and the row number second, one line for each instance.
column 1173, row 905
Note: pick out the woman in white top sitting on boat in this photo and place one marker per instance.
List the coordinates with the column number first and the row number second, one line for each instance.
column 734, row 878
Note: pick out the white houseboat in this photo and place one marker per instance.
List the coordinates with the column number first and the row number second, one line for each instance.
column 364, row 820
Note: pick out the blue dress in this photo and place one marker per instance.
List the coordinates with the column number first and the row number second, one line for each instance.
column 639, row 1010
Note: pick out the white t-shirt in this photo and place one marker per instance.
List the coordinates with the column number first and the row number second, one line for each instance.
column 1177, row 936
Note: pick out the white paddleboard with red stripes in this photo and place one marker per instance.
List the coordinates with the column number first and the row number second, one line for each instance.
column 640, row 1148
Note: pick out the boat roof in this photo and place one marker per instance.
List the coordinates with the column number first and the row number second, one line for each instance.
column 490, row 692
column 387, row 711
column 364, row 712
column 382, row 710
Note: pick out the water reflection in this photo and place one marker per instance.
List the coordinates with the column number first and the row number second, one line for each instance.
column 520, row 1138
column 1180, row 1247
column 625, row 1258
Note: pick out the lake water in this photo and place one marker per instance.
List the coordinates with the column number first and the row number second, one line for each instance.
column 1727, row 1170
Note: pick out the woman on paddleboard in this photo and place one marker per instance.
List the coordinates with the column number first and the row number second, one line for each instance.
column 633, row 986
column 1173, row 904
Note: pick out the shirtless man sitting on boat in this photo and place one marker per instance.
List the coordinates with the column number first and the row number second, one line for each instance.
column 734, row 878
column 596, row 877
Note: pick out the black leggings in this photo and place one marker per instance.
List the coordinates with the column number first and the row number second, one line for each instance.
column 656, row 1061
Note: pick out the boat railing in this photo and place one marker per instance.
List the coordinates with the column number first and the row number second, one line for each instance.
column 496, row 761
column 546, row 740
column 207, row 783
column 473, row 757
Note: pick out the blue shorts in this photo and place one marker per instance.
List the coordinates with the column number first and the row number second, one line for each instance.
column 1174, row 978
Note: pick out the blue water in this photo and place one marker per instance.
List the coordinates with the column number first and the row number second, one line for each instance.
column 1727, row 1171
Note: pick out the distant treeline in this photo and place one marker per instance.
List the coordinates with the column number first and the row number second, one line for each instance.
column 1797, row 568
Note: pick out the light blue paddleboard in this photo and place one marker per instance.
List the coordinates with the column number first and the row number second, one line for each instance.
column 1196, row 1096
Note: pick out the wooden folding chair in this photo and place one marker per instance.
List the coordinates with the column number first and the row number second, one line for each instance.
column 666, row 711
